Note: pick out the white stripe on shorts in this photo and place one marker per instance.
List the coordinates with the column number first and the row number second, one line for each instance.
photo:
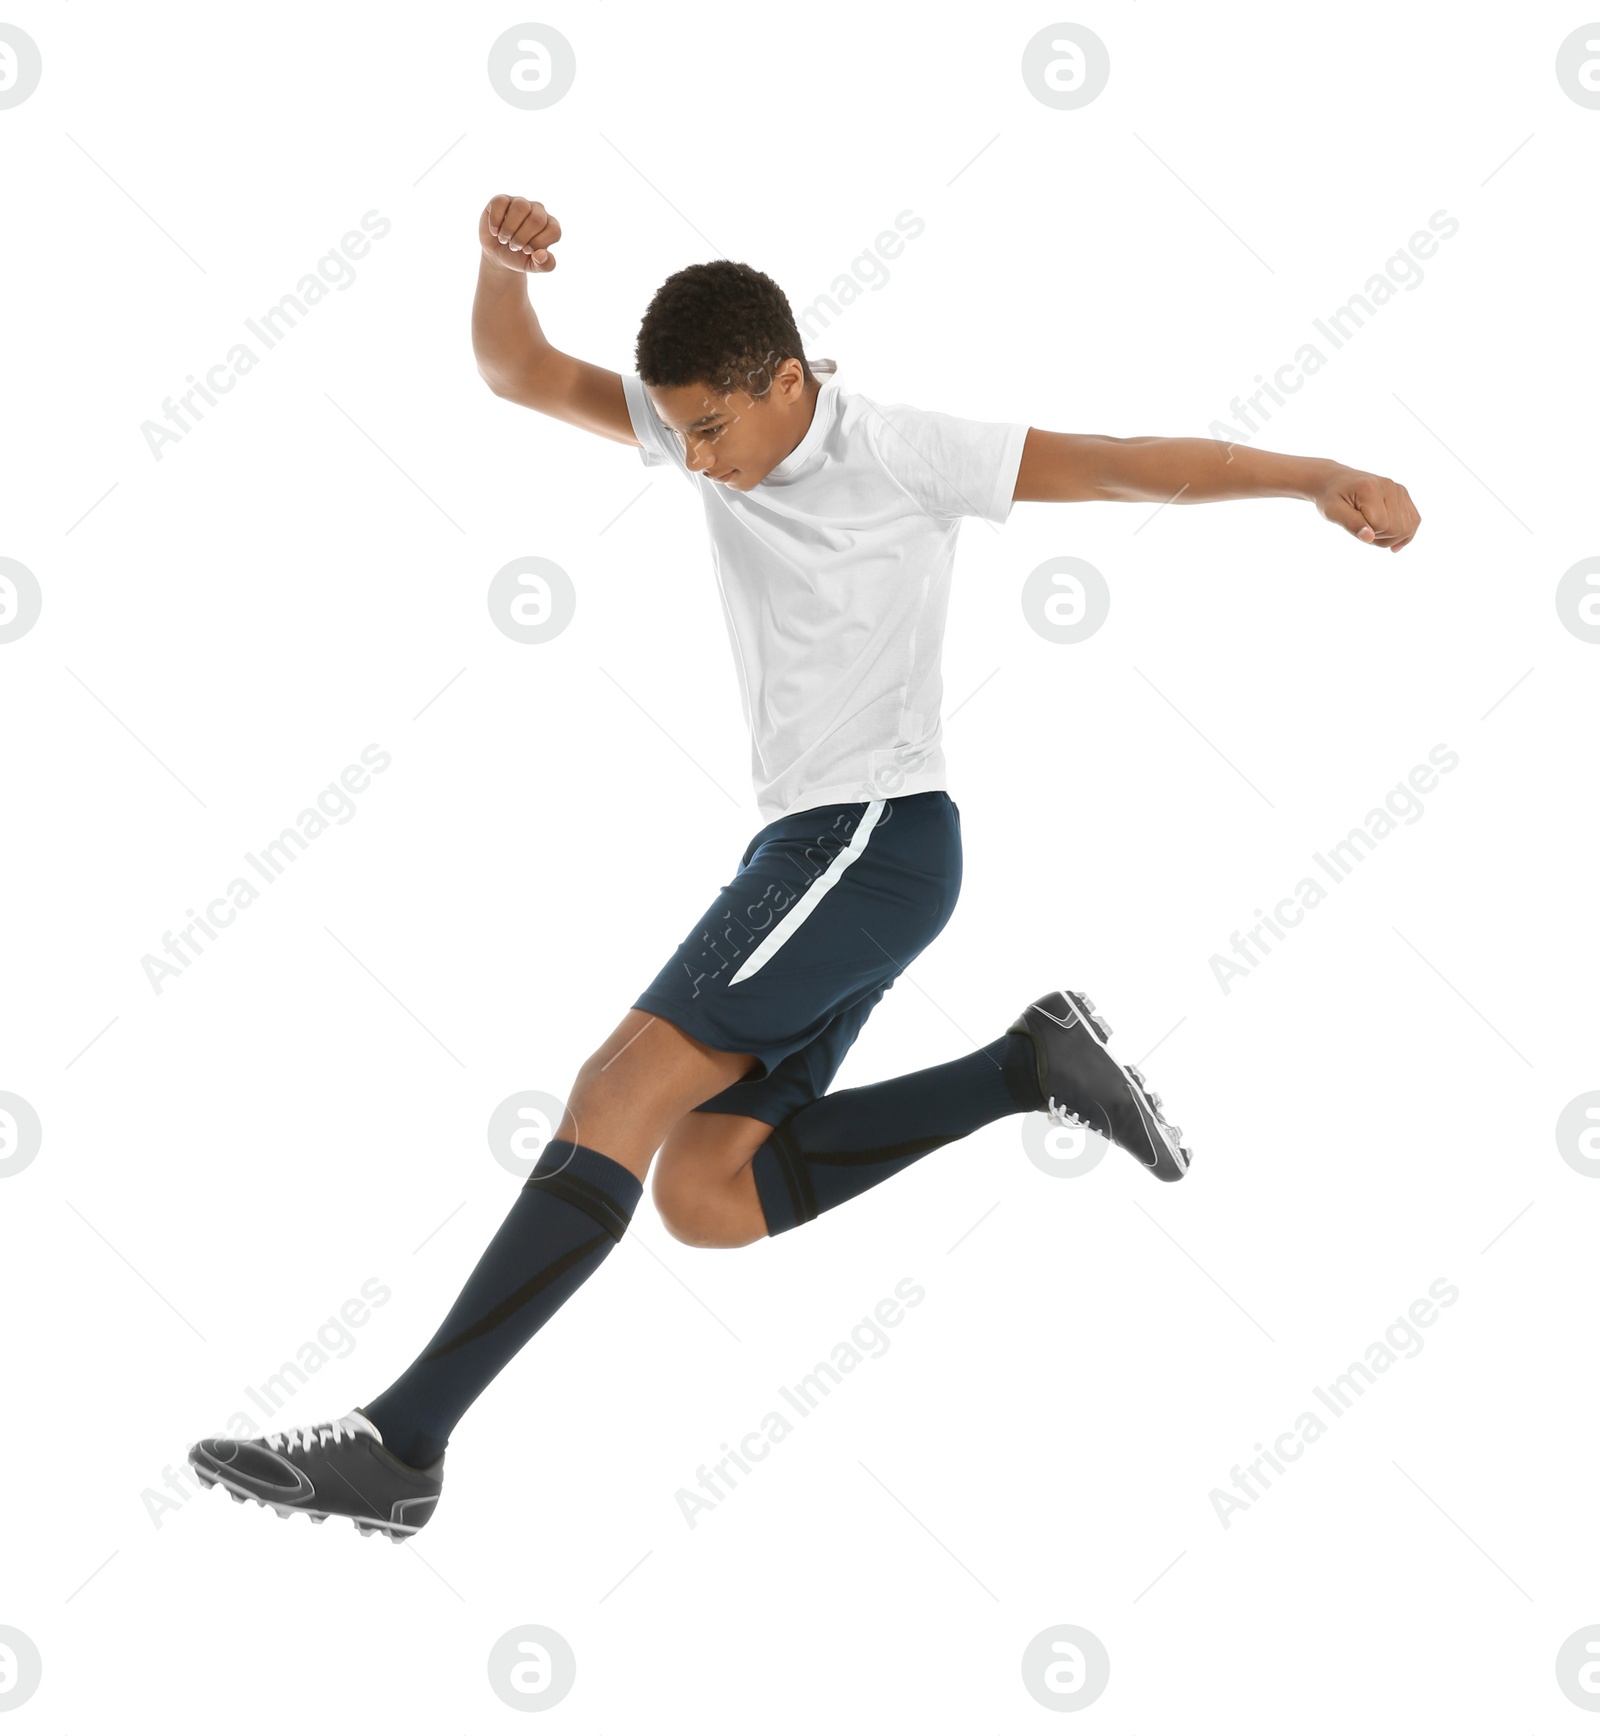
column 814, row 894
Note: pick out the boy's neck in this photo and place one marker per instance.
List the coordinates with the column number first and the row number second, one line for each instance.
column 805, row 414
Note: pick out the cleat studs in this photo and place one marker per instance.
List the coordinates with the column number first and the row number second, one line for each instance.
column 1088, row 1005
column 317, row 1518
column 397, row 1537
column 241, row 1499
column 282, row 1512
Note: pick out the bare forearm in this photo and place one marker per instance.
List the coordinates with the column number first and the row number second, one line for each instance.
column 1151, row 467
column 507, row 339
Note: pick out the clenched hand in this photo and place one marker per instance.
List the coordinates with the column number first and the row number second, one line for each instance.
column 1375, row 509
column 518, row 233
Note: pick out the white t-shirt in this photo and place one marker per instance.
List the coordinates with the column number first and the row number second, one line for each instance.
column 834, row 571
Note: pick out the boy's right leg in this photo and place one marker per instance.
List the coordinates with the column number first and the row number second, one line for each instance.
column 381, row 1465
column 572, row 1211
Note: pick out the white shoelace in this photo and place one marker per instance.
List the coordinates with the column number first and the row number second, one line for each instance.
column 1064, row 1117
column 320, row 1434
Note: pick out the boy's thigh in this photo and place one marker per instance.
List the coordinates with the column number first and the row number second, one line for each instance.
column 702, row 1171
column 703, row 1150
column 702, row 1183
column 713, row 1142
column 827, row 908
column 645, row 1076
column 800, row 1078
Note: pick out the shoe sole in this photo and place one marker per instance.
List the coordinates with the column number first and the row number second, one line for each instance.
column 395, row 1533
column 1149, row 1102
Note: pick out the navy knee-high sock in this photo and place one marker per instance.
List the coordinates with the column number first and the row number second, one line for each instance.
column 572, row 1211
column 839, row 1146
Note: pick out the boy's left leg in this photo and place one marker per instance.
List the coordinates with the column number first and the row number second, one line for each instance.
column 788, row 1153
column 849, row 1141
column 725, row 1179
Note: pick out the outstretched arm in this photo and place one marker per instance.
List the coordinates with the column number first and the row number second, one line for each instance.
column 1180, row 472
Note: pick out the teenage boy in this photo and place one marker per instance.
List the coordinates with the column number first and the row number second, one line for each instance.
column 833, row 523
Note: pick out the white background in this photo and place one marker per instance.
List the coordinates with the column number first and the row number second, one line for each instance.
column 224, row 1163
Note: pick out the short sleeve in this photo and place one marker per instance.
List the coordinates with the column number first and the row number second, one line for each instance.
column 657, row 443
column 952, row 466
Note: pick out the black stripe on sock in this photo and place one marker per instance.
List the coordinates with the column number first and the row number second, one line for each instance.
column 791, row 1166
column 586, row 1197
column 882, row 1153
column 523, row 1294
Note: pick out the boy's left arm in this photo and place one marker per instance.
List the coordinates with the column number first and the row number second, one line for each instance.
column 1374, row 509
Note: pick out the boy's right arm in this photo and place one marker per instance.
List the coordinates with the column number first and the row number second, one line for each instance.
column 515, row 358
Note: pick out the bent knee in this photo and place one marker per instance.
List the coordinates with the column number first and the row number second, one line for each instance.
column 688, row 1221
column 598, row 1099
column 692, row 1212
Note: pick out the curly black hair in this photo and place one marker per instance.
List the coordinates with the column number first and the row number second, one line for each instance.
column 722, row 324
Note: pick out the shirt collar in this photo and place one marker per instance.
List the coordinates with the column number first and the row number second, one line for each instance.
column 821, row 419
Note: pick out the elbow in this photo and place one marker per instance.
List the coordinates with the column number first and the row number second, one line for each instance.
column 519, row 382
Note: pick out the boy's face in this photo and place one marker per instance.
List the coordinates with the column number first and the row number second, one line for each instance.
column 736, row 439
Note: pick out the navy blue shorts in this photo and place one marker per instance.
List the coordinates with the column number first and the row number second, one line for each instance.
column 825, row 910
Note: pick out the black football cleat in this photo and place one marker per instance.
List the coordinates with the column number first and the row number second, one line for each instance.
column 1084, row 1087
column 339, row 1469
